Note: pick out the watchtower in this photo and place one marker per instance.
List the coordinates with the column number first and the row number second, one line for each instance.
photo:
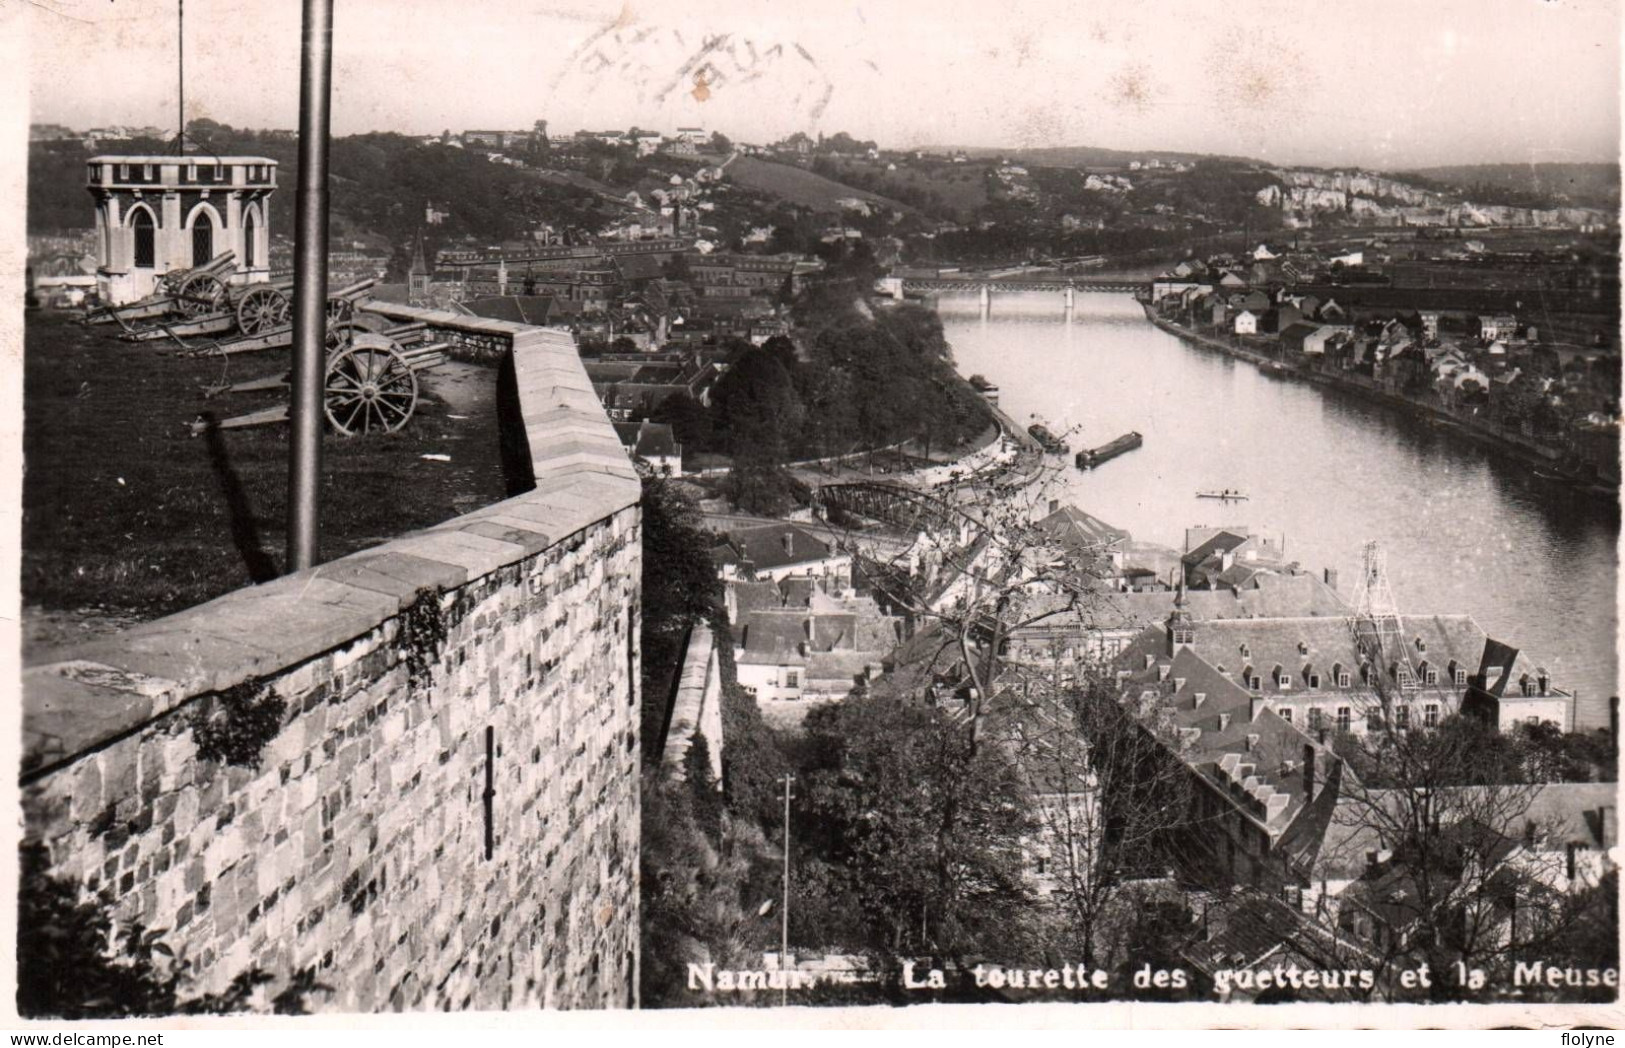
column 155, row 214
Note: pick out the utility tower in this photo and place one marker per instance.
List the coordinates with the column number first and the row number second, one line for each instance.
column 1379, row 633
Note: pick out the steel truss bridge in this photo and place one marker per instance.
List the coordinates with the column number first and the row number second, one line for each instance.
column 897, row 505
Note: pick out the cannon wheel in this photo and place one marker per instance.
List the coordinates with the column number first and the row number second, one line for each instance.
column 339, row 310
column 202, row 294
column 261, row 309
column 370, row 388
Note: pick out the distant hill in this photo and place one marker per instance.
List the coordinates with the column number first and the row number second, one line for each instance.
column 1086, row 156
column 1529, row 185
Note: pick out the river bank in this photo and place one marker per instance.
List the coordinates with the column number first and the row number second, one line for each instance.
column 1466, row 529
column 1547, row 460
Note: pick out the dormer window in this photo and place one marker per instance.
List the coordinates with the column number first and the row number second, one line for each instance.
column 1421, row 645
column 1246, row 650
column 1200, row 698
column 1303, row 647
column 1285, row 713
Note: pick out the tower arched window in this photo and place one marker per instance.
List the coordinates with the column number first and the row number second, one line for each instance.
column 249, row 229
column 146, row 241
column 202, row 239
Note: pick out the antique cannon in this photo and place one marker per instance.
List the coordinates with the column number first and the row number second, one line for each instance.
column 369, row 386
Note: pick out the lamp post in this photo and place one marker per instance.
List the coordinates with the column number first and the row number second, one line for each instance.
column 310, row 285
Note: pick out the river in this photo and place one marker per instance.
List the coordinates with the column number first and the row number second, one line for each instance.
column 1464, row 529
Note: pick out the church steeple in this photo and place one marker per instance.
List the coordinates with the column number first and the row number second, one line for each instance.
column 1181, row 626
column 417, row 278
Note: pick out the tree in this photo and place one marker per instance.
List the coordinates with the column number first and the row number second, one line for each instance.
column 689, row 420
column 721, row 144
column 756, row 409
column 924, row 829
column 699, row 896
column 1111, row 800
column 1451, row 863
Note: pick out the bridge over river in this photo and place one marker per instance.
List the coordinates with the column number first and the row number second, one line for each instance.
column 1067, row 288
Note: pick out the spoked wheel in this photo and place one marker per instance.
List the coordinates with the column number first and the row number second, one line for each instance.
column 370, row 388
column 341, row 336
column 201, row 295
column 339, row 311
column 262, row 309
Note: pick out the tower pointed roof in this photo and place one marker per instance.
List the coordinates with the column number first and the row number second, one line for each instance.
column 418, row 265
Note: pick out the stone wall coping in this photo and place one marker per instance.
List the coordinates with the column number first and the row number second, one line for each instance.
column 83, row 696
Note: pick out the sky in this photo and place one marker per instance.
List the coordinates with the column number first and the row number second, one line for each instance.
column 1377, row 83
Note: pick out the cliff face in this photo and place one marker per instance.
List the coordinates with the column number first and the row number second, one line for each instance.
column 1374, row 198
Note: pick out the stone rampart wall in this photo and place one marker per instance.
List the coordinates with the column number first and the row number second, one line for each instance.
column 447, row 814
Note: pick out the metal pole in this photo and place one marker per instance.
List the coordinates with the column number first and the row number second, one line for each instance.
column 310, row 285
column 784, row 910
column 180, row 62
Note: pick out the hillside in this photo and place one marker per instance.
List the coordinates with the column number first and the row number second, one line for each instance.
column 1530, row 185
column 801, row 187
column 379, row 184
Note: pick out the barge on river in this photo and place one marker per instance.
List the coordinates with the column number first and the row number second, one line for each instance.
column 1090, row 458
column 1051, row 444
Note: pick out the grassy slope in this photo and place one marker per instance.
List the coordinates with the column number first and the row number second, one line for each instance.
column 962, row 187
column 123, row 510
column 799, row 186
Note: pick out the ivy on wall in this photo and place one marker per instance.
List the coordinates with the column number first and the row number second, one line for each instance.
column 423, row 635
column 235, row 728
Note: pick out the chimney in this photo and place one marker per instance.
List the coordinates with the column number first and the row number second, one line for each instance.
column 1309, row 770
